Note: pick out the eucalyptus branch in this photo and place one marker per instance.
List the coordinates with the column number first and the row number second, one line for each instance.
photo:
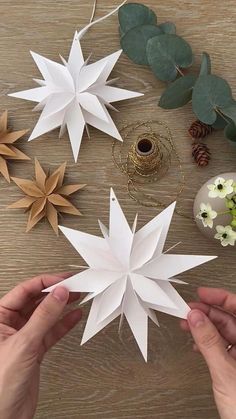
column 179, row 71
column 146, row 42
column 222, row 115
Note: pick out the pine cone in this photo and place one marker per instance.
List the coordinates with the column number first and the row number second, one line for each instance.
column 199, row 130
column 201, row 154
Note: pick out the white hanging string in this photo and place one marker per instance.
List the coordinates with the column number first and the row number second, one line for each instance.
column 91, row 23
column 93, row 11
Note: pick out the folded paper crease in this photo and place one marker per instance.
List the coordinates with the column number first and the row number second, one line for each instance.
column 128, row 274
column 7, row 150
column 46, row 196
column 74, row 94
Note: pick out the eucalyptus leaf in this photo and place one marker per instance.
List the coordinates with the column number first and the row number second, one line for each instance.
column 209, row 94
column 205, row 64
column 134, row 14
column 168, row 27
column 166, row 54
column 134, row 42
column 178, row 93
column 121, row 32
column 220, row 122
column 230, row 131
column 230, row 110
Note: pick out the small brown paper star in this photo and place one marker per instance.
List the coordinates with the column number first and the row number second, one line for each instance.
column 7, row 150
column 46, row 196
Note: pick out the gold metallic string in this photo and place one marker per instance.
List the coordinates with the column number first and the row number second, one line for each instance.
column 148, row 168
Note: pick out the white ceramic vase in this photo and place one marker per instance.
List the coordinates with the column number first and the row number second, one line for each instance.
column 217, row 204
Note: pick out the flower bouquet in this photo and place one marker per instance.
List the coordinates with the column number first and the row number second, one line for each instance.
column 215, row 209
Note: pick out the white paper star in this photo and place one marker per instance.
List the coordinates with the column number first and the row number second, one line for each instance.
column 128, row 273
column 74, row 94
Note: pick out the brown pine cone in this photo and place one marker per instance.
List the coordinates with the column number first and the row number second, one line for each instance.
column 201, row 154
column 199, row 130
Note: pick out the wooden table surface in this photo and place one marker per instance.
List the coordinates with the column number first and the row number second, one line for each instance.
column 107, row 377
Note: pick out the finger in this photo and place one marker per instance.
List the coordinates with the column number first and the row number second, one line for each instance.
column 73, row 297
column 184, row 325
column 205, row 309
column 224, row 322
column 195, row 348
column 6, row 332
column 11, row 318
column 218, row 297
column 62, row 327
column 23, row 293
column 220, row 318
column 226, row 344
column 46, row 314
column 231, row 352
column 194, row 305
column 208, row 340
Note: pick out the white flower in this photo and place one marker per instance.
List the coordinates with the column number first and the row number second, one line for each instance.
column 207, row 215
column 226, row 235
column 221, row 188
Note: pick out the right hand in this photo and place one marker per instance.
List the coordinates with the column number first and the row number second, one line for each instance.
column 212, row 323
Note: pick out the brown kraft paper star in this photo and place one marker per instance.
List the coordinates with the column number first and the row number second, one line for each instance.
column 7, row 150
column 46, row 196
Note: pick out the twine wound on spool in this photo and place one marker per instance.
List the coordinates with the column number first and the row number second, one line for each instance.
column 145, row 154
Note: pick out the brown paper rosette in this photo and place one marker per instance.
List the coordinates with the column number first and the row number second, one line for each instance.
column 7, row 150
column 46, row 196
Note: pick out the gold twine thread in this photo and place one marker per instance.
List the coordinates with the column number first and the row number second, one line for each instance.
column 147, row 167
column 145, row 154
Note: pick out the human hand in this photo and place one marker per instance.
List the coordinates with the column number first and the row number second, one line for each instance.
column 30, row 325
column 212, row 323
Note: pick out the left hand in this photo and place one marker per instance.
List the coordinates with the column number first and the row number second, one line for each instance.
column 30, row 325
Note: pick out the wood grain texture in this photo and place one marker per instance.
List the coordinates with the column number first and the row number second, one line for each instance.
column 106, row 378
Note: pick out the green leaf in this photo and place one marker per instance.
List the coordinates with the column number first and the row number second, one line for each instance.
column 220, row 122
column 134, row 42
column 121, row 32
column 178, row 93
column 209, row 94
column 230, row 110
column 168, row 27
column 166, row 54
column 205, row 64
column 134, row 14
column 230, row 131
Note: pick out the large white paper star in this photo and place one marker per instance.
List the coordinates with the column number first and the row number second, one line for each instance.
column 128, row 273
column 74, row 94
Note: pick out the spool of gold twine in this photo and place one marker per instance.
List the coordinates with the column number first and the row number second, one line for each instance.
column 145, row 157
column 145, row 154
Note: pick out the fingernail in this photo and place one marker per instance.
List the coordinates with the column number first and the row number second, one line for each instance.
column 196, row 318
column 61, row 294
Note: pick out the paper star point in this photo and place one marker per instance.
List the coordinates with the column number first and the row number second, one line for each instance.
column 7, row 150
column 75, row 94
column 46, row 196
column 128, row 274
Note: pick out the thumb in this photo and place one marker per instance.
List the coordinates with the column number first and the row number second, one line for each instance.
column 208, row 340
column 46, row 314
